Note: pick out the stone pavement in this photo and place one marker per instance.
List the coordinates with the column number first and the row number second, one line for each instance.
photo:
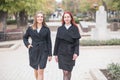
column 14, row 64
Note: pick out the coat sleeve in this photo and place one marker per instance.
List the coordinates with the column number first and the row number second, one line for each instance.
column 25, row 38
column 76, row 47
column 57, row 42
column 49, row 43
column 56, row 46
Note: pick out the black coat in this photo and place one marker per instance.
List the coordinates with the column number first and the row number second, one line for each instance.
column 41, row 49
column 67, row 44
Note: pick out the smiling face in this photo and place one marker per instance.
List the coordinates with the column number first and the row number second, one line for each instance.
column 39, row 18
column 67, row 18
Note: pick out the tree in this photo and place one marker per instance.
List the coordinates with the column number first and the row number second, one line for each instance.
column 113, row 5
column 22, row 8
column 71, row 5
column 4, row 6
column 116, row 5
column 84, row 5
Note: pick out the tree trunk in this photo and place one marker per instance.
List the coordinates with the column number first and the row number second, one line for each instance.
column 118, row 19
column 23, row 18
column 17, row 19
column 3, row 19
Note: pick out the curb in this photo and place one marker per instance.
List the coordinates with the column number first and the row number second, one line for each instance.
column 100, row 47
column 15, row 46
column 97, row 74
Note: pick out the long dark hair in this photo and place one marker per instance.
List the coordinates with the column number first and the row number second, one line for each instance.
column 35, row 20
column 72, row 19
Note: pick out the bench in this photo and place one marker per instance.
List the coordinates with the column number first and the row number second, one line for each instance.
column 2, row 36
column 114, row 26
column 86, row 26
column 11, row 34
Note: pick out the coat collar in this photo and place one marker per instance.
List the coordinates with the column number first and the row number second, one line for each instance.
column 71, row 32
column 36, row 33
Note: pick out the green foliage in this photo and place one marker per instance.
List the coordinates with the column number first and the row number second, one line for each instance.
column 85, row 5
column 113, row 4
column 11, row 22
column 89, row 43
column 30, row 6
column 71, row 5
column 76, row 19
column 114, row 70
column 113, row 42
column 99, row 42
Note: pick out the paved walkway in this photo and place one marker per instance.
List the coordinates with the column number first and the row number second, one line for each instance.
column 14, row 64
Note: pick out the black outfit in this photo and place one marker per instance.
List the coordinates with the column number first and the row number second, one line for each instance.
column 41, row 49
column 66, row 44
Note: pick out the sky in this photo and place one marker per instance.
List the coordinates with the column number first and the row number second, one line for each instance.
column 58, row 0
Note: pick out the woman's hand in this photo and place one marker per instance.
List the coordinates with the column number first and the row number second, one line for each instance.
column 75, row 56
column 49, row 58
column 56, row 58
column 29, row 46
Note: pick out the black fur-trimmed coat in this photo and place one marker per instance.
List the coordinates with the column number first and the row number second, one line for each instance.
column 66, row 44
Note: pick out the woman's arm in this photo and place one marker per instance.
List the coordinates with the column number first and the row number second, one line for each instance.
column 76, row 47
column 25, row 38
column 49, row 43
column 76, row 52
column 56, row 46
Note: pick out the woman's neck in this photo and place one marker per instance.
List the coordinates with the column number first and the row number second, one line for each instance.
column 68, row 24
column 39, row 25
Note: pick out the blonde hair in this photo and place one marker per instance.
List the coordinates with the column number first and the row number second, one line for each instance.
column 35, row 20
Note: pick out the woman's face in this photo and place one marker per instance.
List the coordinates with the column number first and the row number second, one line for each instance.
column 39, row 18
column 67, row 18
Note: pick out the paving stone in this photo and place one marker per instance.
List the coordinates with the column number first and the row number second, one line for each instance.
column 14, row 64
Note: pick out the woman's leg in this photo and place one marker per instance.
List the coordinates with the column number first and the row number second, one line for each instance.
column 66, row 75
column 40, row 74
column 36, row 74
column 69, row 75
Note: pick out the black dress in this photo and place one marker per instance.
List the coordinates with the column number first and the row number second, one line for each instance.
column 41, row 49
column 66, row 44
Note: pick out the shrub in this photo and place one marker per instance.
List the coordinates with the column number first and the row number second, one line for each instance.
column 114, row 70
column 99, row 42
column 30, row 21
column 76, row 19
column 11, row 22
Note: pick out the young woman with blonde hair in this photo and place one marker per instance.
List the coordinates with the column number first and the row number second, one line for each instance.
column 40, row 49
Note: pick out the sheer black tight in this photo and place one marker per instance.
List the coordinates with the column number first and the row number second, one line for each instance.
column 66, row 75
